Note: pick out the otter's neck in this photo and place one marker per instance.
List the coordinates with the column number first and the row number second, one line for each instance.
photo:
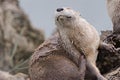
column 78, row 26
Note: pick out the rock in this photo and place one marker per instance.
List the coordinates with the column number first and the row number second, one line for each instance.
column 18, row 38
column 109, row 55
column 104, row 34
column 113, row 75
column 7, row 76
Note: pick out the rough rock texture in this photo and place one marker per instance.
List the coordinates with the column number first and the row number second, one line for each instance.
column 50, row 57
column 111, row 64
column 18, row 38
column 114, row 75
column 7, row 76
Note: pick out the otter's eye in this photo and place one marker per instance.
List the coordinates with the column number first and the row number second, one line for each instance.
column 68, row 8
column 69, row 17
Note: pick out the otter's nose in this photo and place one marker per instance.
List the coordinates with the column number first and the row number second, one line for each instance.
column 59, row 9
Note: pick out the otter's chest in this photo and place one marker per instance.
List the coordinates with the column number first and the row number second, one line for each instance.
column 78, row 38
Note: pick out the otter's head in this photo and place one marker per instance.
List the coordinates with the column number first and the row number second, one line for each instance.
column 66, row 17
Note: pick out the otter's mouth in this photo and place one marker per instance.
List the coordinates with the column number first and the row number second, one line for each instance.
column 61, row 17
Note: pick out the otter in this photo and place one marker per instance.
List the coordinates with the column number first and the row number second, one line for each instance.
column 113, row 7
column 78, row 36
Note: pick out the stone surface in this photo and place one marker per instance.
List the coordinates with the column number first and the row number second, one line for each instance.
column 8, row 76
column 18, row 38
